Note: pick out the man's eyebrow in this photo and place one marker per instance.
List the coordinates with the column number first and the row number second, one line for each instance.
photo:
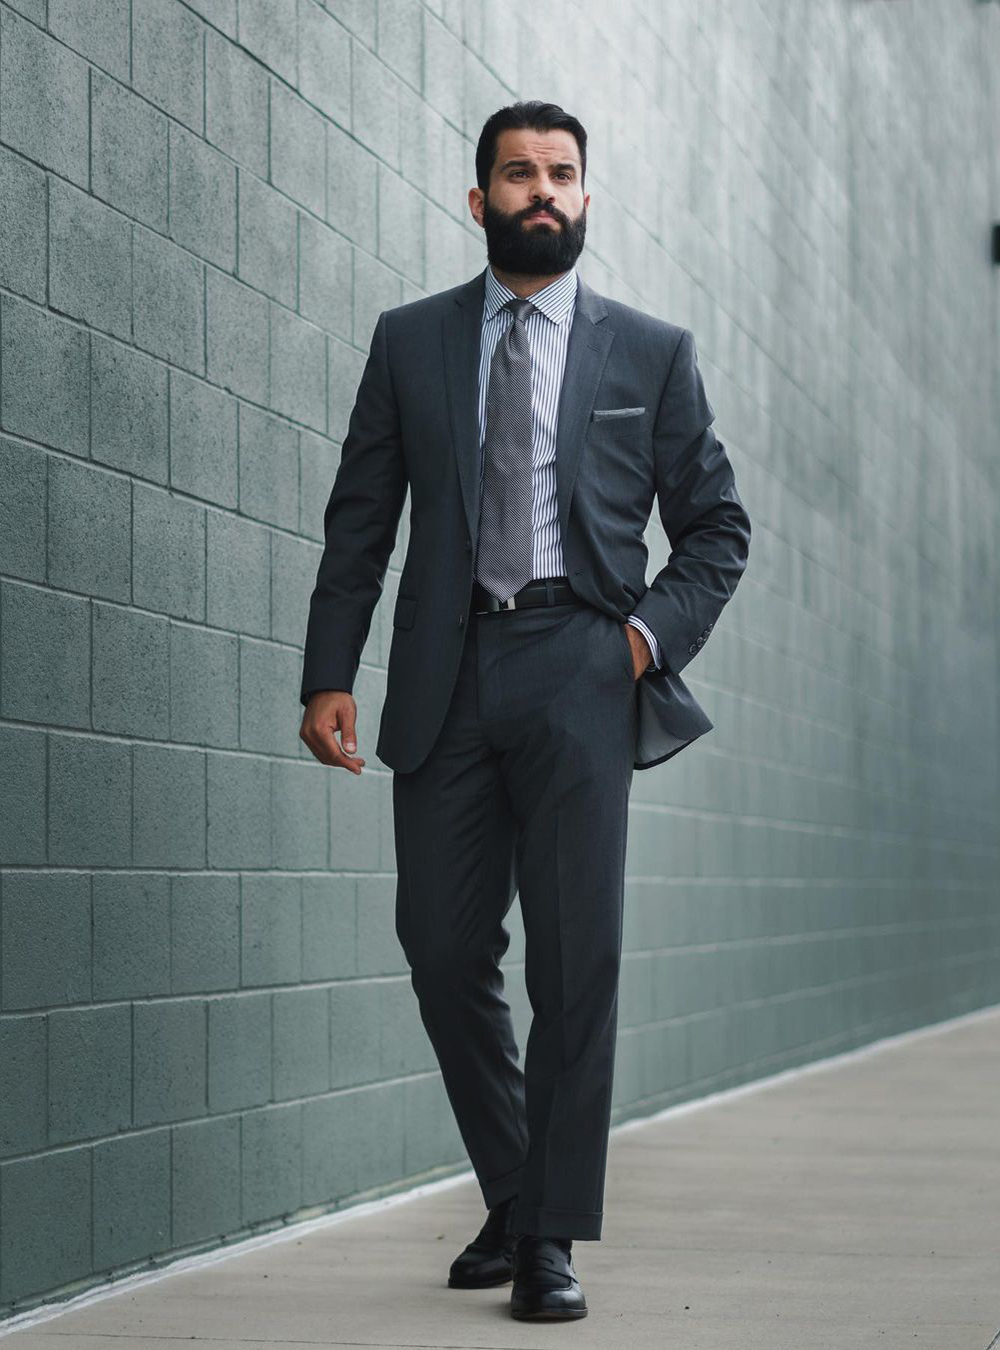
column 529, row 163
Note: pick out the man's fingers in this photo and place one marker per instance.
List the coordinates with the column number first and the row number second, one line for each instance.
column 320, row 736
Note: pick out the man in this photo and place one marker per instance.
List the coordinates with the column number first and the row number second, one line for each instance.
column 531, row 667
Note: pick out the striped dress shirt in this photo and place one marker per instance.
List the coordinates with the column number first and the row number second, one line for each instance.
column 548, row 328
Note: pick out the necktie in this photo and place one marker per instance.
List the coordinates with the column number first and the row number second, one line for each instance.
column 503, row 563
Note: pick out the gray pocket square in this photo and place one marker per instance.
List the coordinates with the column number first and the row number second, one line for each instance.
column 603, row 414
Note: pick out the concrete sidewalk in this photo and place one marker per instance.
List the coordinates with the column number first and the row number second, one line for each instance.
column 852, row 1204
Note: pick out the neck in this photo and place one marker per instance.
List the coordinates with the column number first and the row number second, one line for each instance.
column 525, row 286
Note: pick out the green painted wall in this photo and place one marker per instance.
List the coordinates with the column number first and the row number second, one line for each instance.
column 206, row 1024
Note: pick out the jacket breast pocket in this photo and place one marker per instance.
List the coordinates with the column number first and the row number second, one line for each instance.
column 402, row 615
column 614, row 414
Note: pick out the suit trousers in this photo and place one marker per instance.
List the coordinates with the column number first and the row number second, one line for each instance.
column 525, row 792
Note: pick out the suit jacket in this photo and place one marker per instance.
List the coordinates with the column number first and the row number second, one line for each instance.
column 634, row 423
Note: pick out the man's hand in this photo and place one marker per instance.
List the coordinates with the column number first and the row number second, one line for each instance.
column 327, row 711
column 642, row 657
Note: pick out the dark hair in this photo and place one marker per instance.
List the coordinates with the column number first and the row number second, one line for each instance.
column 534, row 116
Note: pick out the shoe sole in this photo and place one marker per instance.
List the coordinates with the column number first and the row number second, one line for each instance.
column 550, row 1314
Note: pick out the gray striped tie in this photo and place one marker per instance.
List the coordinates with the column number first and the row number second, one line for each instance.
column 503, row 563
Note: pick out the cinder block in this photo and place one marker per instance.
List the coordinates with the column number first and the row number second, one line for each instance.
column 131, row 672
column 45, row 1239
column 128, row 402
column 129, row 167
column 168, row 59
column 298, row 369
column 202, row 199
column 206, row 1180
column 298, row 150
column 431, row 1137
column 294, row 563
column 379, row 1133
column 168, row 548
column 271, row 930
column 97, row 29
column 270, row 711
column 168, row 826
column 169, row 1065
column 23, row 1099
column 22, row 227
column 239, row 810
column 375, row 110
column 203, row 440
column 318, row 461
column 344, row 368
column 301, row 1051
column 43, row 98
column 325, row 277
column 401, row 39
column 268, row 249
column 269, row 467
column 131, row 935
column 272, row 1161
column 131, row 1198
column 237, row 337
column 299, row 814
column 329, row 927
column 44, row 370
column 355, row 1032
column 239, row 1051
column 45, row 939
column 204, row 686
column 379, row 951
column 90, row 525
column 90, row 1078
column 354, row 806
column 205, row 933
column 376, row 287
column 325, row 63
column 168, row 301
column 270, row 33
column 352, row 198
column 221, row 13
column 45, row 656
column 90, row 260
column 401, row 243
column 236, row 104
column 90, row 801
column 404, row 1045
column 239, row 574
column 22, row 795
column 328, row 1163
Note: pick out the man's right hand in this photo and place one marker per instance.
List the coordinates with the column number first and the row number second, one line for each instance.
column 328, row 711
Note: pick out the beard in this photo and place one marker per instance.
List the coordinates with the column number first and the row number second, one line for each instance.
column 532, row 250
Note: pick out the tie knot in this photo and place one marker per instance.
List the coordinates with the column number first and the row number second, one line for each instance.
column 519, row 308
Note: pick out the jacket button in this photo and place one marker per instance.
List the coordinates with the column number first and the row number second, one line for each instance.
column 692, row 648
column 461, row 620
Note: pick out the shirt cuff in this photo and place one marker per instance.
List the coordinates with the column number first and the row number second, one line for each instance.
column 654, row 646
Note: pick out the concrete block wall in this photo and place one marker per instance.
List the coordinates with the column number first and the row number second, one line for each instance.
column 206, row 1025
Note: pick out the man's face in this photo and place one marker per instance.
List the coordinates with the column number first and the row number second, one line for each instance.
column 535, row 211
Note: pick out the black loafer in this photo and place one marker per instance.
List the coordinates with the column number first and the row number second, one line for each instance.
column 487, row 1259
column 545, row 1284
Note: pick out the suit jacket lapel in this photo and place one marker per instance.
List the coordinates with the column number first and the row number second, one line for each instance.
column 587, row 351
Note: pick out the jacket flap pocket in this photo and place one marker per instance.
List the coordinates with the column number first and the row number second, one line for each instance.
column 402, row 616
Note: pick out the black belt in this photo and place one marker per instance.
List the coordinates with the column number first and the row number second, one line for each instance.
column 543, row 591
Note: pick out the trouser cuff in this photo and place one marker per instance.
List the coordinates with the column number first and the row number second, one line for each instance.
column 565, row 1223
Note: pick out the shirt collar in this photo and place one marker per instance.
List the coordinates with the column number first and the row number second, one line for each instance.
column 555, row 300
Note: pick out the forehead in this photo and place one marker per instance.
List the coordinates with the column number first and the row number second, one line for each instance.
column 544, row 146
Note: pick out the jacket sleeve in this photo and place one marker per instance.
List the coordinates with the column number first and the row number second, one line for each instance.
column 360, row 524
column 702, row 514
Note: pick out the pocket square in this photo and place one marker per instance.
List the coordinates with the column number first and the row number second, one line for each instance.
column 602, row 414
